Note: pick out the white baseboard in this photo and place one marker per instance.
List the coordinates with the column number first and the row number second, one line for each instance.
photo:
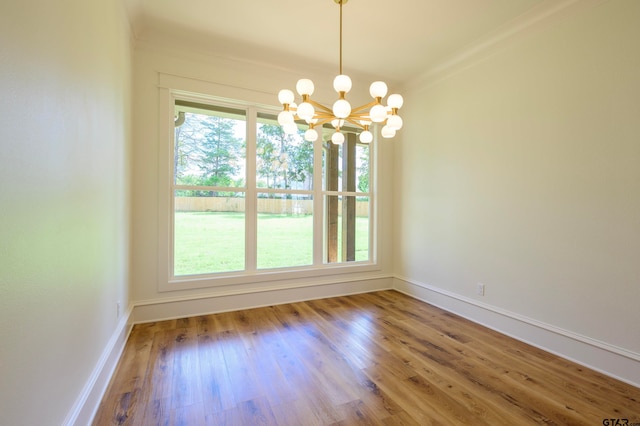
column 88, row 401
column 608, row 359
column 271, row 294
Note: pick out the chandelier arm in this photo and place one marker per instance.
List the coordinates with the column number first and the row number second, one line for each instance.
column 319, row 106
column 359, row 116
column 355, row 123
column 323, row 115
column 365, row 106
column 323, row 121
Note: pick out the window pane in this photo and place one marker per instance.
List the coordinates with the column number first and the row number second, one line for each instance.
column 346, row 166
column 285, row 230
column 208, row 232
column 282, row 161
column 209, row 148
column 362, row 229
column 362, row 167
column 346, row 229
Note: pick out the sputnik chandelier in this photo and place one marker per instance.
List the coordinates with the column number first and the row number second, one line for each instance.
column 316, row 114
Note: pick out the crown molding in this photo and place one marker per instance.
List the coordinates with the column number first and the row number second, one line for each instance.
column 546, row 13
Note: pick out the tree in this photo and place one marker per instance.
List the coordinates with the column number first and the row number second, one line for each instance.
column 273, row 156
column 301, row 164
column 363, row 170
column 267, row 153
column 207, row 153
column 221, row 151
column 284, row 160
column 187, row 152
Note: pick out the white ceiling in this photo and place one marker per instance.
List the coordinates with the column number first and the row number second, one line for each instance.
column 396, row 40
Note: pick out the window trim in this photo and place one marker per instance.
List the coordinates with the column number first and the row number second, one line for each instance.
column 319, row 272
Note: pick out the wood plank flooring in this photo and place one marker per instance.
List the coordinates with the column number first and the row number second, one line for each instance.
column 379, row 358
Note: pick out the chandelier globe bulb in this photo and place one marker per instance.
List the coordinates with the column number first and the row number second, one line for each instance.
column 337, row 123
column 342, row 83
column 394, row 122
column 395, row 101
column 311, row 135
column 341, row 108
column 290, row 128
column 306, row 111
column 387, row 132
column 366, row 137
column 378, row 113
column 285, row 117
column 337, row 138
column 304, row 86
column 285, row 96
column 378, row 89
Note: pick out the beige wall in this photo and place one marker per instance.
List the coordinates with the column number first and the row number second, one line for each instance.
column 64, row 114
column 522, row 171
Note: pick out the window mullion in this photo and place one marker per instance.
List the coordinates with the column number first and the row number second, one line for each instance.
column 166, row 197
column 373, row 190
column 318, row 205
column 251, row 204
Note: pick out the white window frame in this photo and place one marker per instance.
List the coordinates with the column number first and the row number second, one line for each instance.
column 171, row 88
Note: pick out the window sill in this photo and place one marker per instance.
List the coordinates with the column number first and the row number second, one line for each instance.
column 189, row 282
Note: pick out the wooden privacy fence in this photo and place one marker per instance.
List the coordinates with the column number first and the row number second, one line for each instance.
column 265, row 205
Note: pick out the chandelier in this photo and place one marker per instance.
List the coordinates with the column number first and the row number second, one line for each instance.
column 316, row 114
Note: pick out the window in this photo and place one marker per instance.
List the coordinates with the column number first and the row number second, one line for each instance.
column 284, row 190
column 209, row 188
column 248, row 199
column 346, row 200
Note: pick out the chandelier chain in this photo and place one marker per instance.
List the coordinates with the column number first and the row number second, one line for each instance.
column 341, row 37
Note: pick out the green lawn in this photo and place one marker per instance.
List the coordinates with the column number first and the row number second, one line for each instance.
column 208, row 242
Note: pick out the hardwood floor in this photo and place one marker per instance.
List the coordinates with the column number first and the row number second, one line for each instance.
column 379, row 358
